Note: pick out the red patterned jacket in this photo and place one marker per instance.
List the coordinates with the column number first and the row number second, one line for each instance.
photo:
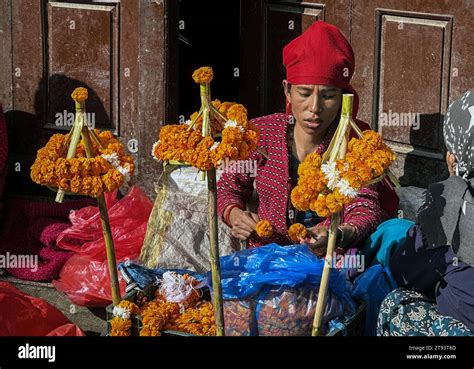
column 273, row 185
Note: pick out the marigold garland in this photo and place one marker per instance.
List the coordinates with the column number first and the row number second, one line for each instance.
column 177, row 142
column 182, row 143
column 87, row 176
column 155, row 315
column 121, row 323
column 264, row 229
column 326, row 188
column 297, row 231
column 197, row 320
column 189, row 315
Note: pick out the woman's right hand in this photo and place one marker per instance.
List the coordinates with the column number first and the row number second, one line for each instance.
column 243, row 223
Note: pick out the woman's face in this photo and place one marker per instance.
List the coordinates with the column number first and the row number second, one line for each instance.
column 314, row 107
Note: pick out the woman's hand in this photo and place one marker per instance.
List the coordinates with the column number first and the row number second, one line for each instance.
column 316, row 240
column 243, row 223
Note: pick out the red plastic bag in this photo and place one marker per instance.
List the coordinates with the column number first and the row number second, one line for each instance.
column 85, row 276
column 25, row 315
column 87, row 282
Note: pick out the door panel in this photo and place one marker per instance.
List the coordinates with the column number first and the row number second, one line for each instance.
column 120, row 50
column 72, row 52
column 412, row 57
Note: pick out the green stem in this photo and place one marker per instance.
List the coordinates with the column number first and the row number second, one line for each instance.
column 75, row 136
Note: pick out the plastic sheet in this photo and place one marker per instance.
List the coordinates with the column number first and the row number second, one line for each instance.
column 85, row 276
column 178, row 229
column 272, row 290
column 31, row 316
column 245, row 272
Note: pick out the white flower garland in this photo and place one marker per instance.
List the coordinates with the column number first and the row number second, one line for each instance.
column 113, row 160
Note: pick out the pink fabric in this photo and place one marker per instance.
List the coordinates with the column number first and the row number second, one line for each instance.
column 31, row 228
column 273, row 185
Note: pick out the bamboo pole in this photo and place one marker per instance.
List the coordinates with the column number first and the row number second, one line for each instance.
column 110, row 249
column 206, row 117
column 323, row 286
column 214, row 251
column 104, row 220
column 205, row 91
column 339, row 152
column 75, row 137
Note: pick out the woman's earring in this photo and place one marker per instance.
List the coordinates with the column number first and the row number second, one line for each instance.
column 456, row 169
column 288, row 109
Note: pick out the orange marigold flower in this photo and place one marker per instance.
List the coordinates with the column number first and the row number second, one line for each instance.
column 297, row 231
column 353, row 179
column 130, row 306
column 120, row 327
column 238, row 112
column 332, row 204
column 340, row 198
column 298, row 200
column 264, row 229
column 320, row 207
column 363, row 171
column 80, row 94
column 374, row 164
column 373, row 138
column 314, row 159
column 203, row 75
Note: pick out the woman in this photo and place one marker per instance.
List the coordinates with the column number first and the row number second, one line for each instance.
column 319, row 65
column 436, row 262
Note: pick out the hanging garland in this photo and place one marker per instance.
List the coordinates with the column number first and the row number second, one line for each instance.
column 93, row 176
column 186, row 143
column 86, row 176
column 326, row 188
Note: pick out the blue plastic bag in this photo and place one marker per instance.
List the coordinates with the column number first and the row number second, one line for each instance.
column 272, row 290
column 245, row 272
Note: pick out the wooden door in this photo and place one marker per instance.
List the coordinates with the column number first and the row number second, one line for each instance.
column 119, row 50
column 412, row 60
column 267, row 26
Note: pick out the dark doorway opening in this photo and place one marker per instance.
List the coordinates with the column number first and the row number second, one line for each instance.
column 209, row 35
